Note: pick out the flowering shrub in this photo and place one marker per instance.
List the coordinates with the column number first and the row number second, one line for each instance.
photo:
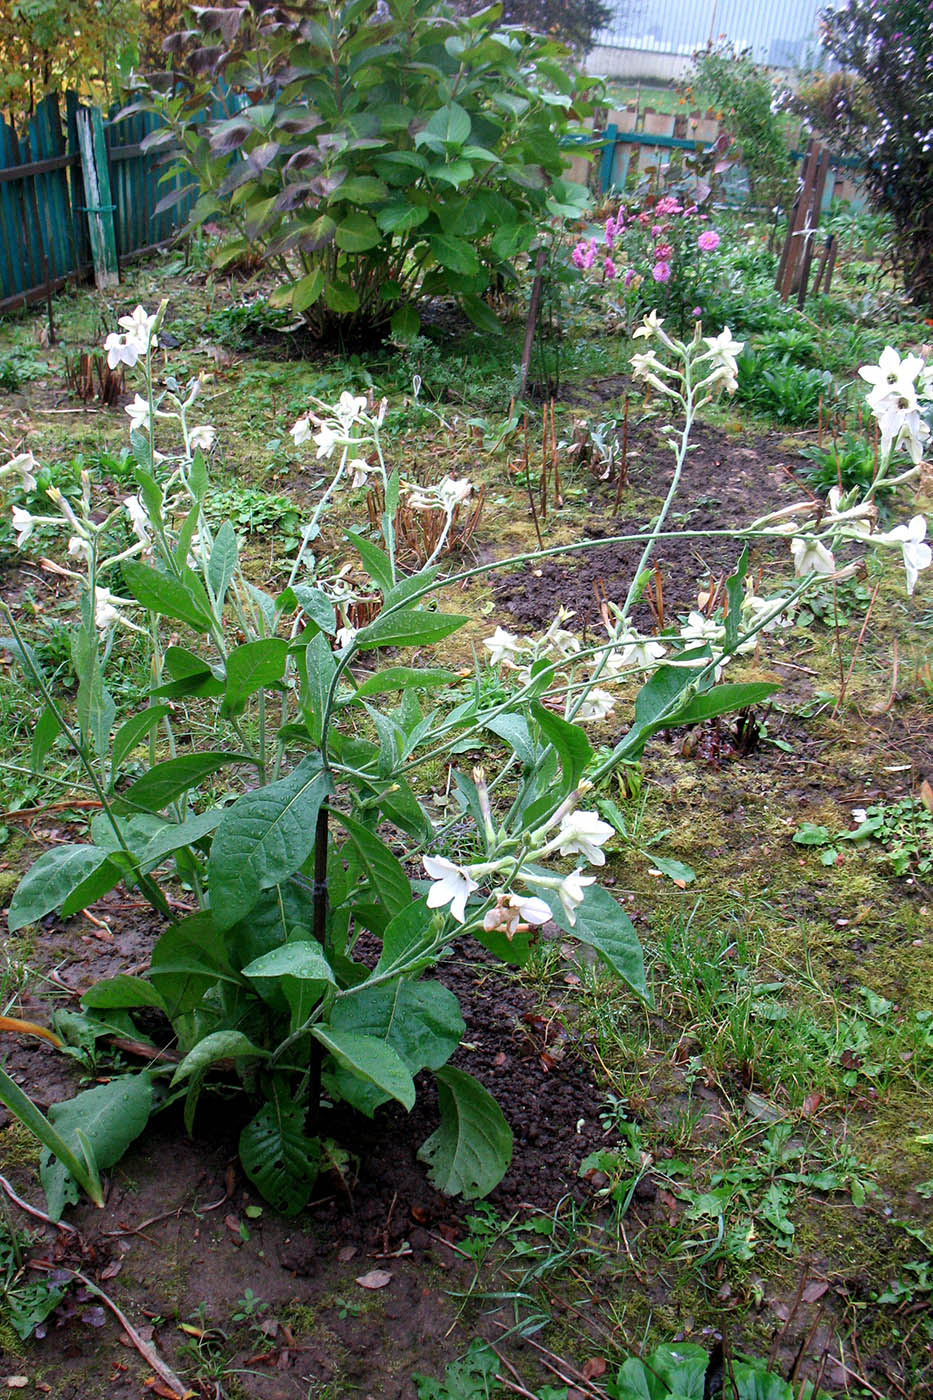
column 289, row 821
column 654, row 259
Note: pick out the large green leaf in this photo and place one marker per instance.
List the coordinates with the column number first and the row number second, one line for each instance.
column 219, row 1045
column 121, row 991
column 303, row 959
column 410, row 932
column 375, row 560
column 410, row 627
column 387, row 879
column 605, row 926
column 420, row 1020
column 449, row 126
column 166, row 595
column 136, row 728
column 263, row 838
column 48, row 883
column 723, row 700
column 22, row 1106
column 456, row 254
column 108, row 1118
column 369, row 1058
column 572, row 745
column 188, row 959
column 278, row 1158
column 357, row 233
column 166, row 781
column 251, row 667
column 471, row 1150
column 221, row 566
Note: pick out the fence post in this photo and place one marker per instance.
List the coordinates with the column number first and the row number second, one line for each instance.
column 97, row 193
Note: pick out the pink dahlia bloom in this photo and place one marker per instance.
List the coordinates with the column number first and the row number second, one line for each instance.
column 661, row 272
column 708, row 241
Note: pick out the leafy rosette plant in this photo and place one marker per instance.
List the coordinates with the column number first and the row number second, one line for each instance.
column 370, row 155
column 273, row 775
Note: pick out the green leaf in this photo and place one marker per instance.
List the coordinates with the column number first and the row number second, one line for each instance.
column 412, row 627
column 162, row 594
column 251, row 667
column 470, row 1152
column 188, row 959
column 191, row 675
column 674, row 869
column 572, row 745
column 357, row 233
column 401, row 217
column 306, row 292
column 403, row 678
column 303, row 959
column 49, row 882
column 319, row 668
column 449, row 126
column 22, row 1106
column 387, row 879
column 314, row 604
column 168, row 780
column 375, row 561
column 722, row 700
column 219, row 1045
column 101, row 880
column 121, row 991
column 263, row 838
column 735, row 592
column 360, row 189
column 43, row 737
column 513, row 728
column 406, row 937
column 371, row 1059
column 422, row 1021
column 277, row 1157
column 132, row 731
column 341, row 297
column 455, row 254
column 405, row 323
column 221, row 566
column 109, row 1117
column 481, row 314
column 606, row 927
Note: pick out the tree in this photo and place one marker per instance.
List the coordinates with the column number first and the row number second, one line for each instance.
column 883, row 115
column 49, row 45
column 574, row 22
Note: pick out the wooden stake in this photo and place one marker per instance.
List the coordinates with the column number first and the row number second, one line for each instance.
column 623, row 465
column 531, row 494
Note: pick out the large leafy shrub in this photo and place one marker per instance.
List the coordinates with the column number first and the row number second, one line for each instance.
column 374, row 154
column 882, row 112
column 744, row 94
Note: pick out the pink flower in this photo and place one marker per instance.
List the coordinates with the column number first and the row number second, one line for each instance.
column 708, row 241
column 663, row 252
column 629, row 277
column 610, row 231
column 697, row 313
column 609, row 268
column 661, row 272
column 577, row 256
column 667, row 204
column 691, row 210
column 656, row 231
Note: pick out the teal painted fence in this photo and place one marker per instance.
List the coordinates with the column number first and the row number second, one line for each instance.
column 43, row 205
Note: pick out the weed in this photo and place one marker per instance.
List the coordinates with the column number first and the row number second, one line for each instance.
column 904, row 829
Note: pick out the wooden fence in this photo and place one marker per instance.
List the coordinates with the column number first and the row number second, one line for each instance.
column 77, row 193
column 635, row 140
column 55, row 196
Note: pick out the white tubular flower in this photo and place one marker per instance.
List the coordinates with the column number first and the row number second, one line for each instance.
column 301, row 430
column 583, row 833
column 639, row 651
column 722, row 353
column 202, row 437
column 453, row 491
column 892, row 375
column 453, row 885
column 598, row 705
column 643, row 365
column 344, row 636
column 139, row 415
column 514, row 912
column 651, row 325
column 571, row 893
column 138, row 327
column 702, row 631
column 23, row 524
column 917, row 553
column 107, row 611
column 22, row 467
column 360, row 469
column 811, row 557
column 122, row 350
column 327, row 439
column 901, row 426
column 139, row 517
column 349, row 407
column 502, row 646
column 79, row 547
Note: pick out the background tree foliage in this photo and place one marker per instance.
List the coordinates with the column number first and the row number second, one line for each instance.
column 51, row 45
column 574, row 22
column 881, row 111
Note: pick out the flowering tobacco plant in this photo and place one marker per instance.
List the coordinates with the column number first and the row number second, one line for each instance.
column 293, row 812
column 657, row 258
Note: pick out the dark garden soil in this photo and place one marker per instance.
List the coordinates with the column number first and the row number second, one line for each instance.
column 183, row 1238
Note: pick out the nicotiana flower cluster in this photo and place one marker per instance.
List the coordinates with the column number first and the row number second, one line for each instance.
column 570, row 831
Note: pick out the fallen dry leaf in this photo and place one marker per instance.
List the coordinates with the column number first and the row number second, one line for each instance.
column 346, row 1252
column 593, row 1367
column 17, row 1382
column 376, row 1278
column 814, row 1290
